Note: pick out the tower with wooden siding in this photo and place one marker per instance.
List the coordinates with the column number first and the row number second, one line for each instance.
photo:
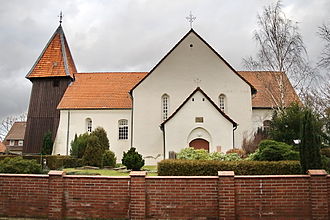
column 51, row 74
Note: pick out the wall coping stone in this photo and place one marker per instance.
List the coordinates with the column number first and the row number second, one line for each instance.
column 182, row 177
column 317, row 172
column 56, row 173
column 226, row 173
column 138, row 173
column 23, row 175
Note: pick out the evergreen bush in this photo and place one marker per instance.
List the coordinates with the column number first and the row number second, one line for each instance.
column 78, row 145
column 19, row 165
column 47, row 144
column 102, row 135
column 310, row 157
column 132, row 159
column 93, row 153
column 109, row 159
column 211, row 168
column 270, row 150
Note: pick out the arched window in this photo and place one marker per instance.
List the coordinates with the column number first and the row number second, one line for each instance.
column 89, row 125
column 165, row 106
column 123, row 129
column 222, row 102
column 266, row 125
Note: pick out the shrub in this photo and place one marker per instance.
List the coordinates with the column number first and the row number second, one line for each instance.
column 211, row 168
column 191, row 153
column 78, row 145
column 325, row 163
column 239, row 152
column 55, row 162
column 310, row 157
column 19, row 165
column 325, row 151
column 224, row 157
column 102, row 135
column 47, row 144
column 251, row 145
column 93, row 153
column 132, row 159
column 109, row 159
column 270, row 150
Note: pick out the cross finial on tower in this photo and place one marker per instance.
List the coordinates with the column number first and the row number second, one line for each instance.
column 197, row 81
column 61, row 17
column 191, row 19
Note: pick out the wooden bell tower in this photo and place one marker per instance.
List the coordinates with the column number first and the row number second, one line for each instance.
column 51, row 74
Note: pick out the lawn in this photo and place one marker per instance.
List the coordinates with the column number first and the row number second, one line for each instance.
column 107, row 172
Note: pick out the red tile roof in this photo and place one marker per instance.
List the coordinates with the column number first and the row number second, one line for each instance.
column 109, row 90
column 269, row 93
column 55, row 60
column 17, row 131
column 101, row 90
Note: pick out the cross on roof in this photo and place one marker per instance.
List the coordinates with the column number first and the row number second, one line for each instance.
column 61, row 17
column 191, row 19
column 197, row 81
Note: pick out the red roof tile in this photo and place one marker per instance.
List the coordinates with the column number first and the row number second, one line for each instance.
column 101, row 90
column 268, row 92
column 17, row 131
column 55, row 60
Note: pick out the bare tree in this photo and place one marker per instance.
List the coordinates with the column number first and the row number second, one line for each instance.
column 281, row 50
column 324, row 33
column 8, row 122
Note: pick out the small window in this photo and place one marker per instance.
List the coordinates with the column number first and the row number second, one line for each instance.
column 266, row 125
column 89, row 125
column 20, row 143
column 199, row 119
column 222, row 102
column 11, row 143
column 123, row 129
column 165, row 106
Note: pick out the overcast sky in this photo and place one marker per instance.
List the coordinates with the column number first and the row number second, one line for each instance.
column 133, row 35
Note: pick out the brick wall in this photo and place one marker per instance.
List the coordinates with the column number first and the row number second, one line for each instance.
column 138, row 196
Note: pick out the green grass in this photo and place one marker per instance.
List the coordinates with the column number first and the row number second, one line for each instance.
column 106, row 172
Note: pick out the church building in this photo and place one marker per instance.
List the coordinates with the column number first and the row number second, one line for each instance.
column 192, row 97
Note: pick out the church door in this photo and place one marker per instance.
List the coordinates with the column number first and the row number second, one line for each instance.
column 199, row 144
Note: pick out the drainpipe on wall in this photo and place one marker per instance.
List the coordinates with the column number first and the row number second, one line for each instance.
column 162, row 127
column 235, row 127
column 67, row 134
column 130, row 92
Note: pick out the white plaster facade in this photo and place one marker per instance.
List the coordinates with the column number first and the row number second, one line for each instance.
column 75, row 122
column 191, row 64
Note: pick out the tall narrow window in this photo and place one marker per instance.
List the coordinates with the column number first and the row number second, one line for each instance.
column 222, row 102
column 89, row 125
column 123, row 129
column 165, row 106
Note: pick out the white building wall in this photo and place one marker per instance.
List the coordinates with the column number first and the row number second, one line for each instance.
column 176, row 76
column 258, row 117
column 74, row 121
column 216, row 129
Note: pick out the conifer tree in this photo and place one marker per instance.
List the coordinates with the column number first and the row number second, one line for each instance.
column 102, row 135
column 310, row 157
column 94, row 152
column 47, row 144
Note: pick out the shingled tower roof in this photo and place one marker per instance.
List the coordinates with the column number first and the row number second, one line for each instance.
column 55, row 60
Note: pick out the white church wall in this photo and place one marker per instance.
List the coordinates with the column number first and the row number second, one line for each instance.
column 176, row 76
column 75, row 121
column 259, row 116
column 182, row 128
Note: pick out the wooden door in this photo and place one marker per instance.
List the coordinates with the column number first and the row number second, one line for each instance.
column 199, row 144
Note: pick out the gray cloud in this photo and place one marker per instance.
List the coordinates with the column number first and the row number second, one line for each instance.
column 132, row 35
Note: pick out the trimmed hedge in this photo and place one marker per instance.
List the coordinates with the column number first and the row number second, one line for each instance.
column 53, row 162
column 211, row 168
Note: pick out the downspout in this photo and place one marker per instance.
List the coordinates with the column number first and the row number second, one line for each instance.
column 162, row 127
column 67, row 133
column 130, row 92
column 235, row 127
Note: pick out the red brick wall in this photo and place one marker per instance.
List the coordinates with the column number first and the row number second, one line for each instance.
column 276, row 197
column 98, row 197
column 24, row 195
column 182, row 197
column 138, row 196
